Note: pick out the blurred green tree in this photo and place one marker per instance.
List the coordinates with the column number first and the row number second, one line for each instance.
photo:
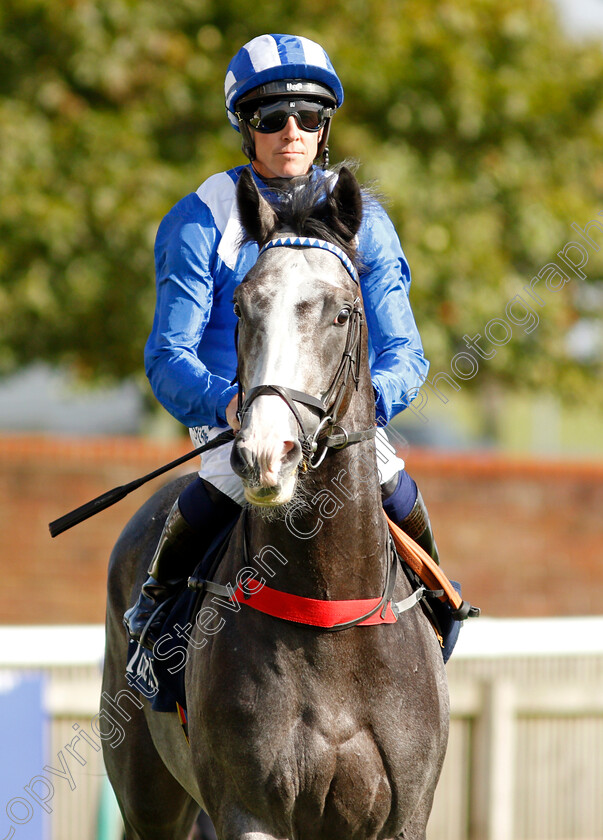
column 480, row 122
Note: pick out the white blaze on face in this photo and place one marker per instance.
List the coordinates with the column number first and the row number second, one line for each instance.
column 288, row 301
column 270, row 429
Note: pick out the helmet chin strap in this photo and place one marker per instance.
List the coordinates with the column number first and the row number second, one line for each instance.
column 248, row 146
column 323, row 146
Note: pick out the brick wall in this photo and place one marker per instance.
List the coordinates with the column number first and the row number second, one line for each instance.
column 62, row 580
column 524, row 537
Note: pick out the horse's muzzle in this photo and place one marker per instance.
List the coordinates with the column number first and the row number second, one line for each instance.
column 268, row 472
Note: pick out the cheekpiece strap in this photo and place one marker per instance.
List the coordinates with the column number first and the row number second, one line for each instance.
column 310, row 242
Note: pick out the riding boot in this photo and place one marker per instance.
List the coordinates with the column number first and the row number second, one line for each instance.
column 418, row 526
column 169, row 569
column 403, row 503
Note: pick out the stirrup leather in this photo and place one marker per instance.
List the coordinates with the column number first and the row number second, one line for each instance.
column 430, row 573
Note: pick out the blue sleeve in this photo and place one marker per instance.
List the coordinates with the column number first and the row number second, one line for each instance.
column 398, row 366
column 185, row 251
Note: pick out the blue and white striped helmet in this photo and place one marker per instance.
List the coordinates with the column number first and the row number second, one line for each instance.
column 272, row 58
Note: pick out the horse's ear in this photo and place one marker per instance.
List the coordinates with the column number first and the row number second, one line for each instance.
column 347, row 201
column 257, row 217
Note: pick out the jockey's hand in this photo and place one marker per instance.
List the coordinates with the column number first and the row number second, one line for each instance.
column 231, row 414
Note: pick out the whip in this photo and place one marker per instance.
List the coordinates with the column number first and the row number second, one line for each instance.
column 109, row 498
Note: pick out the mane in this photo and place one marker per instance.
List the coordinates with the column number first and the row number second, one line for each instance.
column 304, row 207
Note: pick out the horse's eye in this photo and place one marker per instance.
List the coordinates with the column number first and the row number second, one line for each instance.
column 343, row 316
column 236, row 309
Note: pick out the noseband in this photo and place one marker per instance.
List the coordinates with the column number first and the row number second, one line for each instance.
column 329, row 406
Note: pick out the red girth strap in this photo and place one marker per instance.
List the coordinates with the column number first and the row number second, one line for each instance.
column 354, row 612
column 312, row 611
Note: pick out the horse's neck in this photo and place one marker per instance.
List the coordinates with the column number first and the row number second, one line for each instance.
column 333, row 544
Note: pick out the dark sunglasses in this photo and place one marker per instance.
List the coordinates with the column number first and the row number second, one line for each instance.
column 310, row 116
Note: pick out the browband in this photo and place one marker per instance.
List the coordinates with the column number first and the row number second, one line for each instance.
column 310, row 242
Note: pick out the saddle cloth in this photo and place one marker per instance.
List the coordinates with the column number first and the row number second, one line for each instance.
column 159, row 675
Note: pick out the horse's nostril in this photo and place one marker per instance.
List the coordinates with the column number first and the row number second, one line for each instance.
column 246, row 455
column 241, row 459
column 291, row 451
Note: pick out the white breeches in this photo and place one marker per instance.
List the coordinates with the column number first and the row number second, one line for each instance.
column 215, row 464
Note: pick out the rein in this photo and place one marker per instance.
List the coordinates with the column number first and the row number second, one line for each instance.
column 329, row 406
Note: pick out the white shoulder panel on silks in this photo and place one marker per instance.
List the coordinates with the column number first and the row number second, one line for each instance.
column 219, row 194
column 215, row 465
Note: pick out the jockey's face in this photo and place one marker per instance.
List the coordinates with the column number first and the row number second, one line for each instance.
column 285, row 153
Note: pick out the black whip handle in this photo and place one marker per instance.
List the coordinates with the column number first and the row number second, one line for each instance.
column 109, row 498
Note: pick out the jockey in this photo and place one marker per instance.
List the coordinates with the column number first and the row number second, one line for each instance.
column 281, row 94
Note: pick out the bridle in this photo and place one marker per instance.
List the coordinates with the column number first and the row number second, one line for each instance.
column 325, row 614
column 331, row 408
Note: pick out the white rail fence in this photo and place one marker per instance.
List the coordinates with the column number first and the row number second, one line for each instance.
column 525, row 757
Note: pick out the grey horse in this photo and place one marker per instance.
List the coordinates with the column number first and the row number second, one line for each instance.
column 297, row 731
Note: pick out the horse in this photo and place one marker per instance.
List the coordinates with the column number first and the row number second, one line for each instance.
column 297, row 731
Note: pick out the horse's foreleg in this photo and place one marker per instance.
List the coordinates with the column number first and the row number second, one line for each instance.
column 234, row 823
column 255, row 835
column 416, row 829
